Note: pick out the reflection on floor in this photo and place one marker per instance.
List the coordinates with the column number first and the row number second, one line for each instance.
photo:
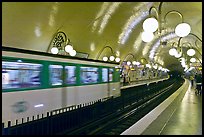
column 186, row 119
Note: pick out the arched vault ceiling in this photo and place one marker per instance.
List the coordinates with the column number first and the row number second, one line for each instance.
column 92, row 25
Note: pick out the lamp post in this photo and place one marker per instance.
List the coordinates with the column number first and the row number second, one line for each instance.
column 195, row 36
column 151, row 24
column 60, row 44
column 174, row 51
column 197, row 51
column 129, row 62
column 191, row 34
column 193, row 60
column 191, row 52
column 191, row 47
column 179, row 41
column 111, row 58
column 134, row 62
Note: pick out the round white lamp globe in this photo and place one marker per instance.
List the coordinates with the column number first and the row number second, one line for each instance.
column 191, row 52
column 134, row 62
column 192, row 60
column 105, row 58
column 72, row 53
column 54, row 50
column 148, row 65
column 150, row 25
column 137, row 63
column 172, row 51
column 68, row 48
column 147, row 36
column 128, row 63
column 117, row 59
column 178, row 55
column 182, row 29
column 112, row 58
column 160, row 68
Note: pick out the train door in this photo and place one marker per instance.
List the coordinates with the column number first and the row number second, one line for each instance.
column 110, row 81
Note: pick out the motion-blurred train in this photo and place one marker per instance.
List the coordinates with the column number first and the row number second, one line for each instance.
column 36, row 82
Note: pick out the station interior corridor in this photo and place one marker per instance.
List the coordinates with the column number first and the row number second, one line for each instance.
column 94, row 68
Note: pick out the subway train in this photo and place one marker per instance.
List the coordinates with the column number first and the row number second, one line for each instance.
column 35, row 82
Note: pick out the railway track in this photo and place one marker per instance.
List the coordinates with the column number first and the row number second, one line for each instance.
column 116, row 123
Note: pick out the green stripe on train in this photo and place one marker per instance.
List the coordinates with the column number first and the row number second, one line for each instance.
column 45, row 74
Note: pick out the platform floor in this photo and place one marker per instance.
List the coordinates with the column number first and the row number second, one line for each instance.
column 141, row 82
column 186, row 119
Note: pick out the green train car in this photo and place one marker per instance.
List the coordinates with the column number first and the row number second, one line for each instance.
column 36, row 82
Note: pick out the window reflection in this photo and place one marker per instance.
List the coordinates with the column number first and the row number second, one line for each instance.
column 70, row 74
column 55, row 74
column 104, row 74
column 110, row 74
column 20, row 75
column 89, row 75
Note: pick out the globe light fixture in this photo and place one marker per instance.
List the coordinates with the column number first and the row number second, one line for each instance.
column 148, row 66
column 134, row 62
column 150, row 25
column 54, row 50
column 155, row 66
column 192, row 60
column 72, row 53
column 117, row 59
column 191, row 52
column 128, row 63
column 137, row 63
column 147, row 36
column 61, row 45
column 182, row 29
column 172, row 51
column 157, row 23
column 105, row 58
column 112, row 58
column 68, row 48
column 178, row 55
column 160, row 68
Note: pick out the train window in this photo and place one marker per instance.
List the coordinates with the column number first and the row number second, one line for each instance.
column 110, row 74
column 104, row 74
column 20, row 75
column 89, row 75
column 70, row 74
column 55, row 74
